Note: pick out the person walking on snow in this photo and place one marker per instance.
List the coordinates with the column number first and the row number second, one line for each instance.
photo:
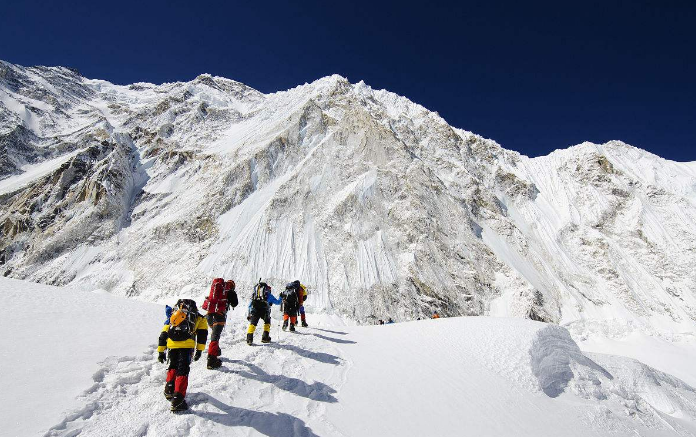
column 187, row 330
column 291, row 304
column 260, row 308
column 222, row 296
column 303, row 297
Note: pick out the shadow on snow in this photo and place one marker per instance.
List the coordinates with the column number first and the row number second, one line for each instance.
column 317, row 356
column 316, row 392
column 330, row 331
column 270, row 424
column 335, row 340
column 324, row 337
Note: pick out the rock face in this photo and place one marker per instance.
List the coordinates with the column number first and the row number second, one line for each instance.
column 374, row 202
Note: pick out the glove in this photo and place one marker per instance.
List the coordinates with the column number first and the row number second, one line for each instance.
column 162, row 357
column 197, row 356
column 248, row 317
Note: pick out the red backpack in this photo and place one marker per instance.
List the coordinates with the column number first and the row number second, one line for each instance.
column 216, row 302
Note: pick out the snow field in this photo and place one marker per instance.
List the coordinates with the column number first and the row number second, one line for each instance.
column 487, row 376
column 676, row 356
column 278, row 389
column 56, row 337
column 506, row 377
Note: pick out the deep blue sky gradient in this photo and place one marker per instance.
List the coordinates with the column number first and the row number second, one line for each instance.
column 533, row 76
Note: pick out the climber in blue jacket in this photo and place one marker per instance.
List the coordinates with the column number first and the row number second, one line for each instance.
column 260, row 308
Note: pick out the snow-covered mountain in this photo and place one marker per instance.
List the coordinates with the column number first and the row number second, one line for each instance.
column 376, row 203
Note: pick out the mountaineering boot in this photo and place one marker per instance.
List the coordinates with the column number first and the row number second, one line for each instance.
column 266, row 337
column 178, row 403
column 169, row 390
column 304, row 324
column 250, row 339
column 214, row 362
column 285, row 325
column 292, row 327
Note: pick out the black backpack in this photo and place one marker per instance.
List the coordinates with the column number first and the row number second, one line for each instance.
column 259, row 299
column 182, row 322
column 290, row 298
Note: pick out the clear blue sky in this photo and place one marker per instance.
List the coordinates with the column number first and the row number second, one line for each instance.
column 534, row 76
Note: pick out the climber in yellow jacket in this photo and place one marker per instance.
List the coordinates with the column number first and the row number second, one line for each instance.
column 184, row 331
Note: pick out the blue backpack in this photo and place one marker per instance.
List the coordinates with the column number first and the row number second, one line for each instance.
column 168, row 311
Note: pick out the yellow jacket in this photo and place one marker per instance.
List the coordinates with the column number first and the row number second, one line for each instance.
column 201, row 333
column 303, row 294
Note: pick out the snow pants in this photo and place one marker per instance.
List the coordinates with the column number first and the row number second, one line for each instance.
column 302, row 314
column 257, row 314
column 216, row 322
column 290, row 313
column 179, row 367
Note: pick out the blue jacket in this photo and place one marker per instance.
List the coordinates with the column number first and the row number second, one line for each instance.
column 270, row 299
column 273, row 300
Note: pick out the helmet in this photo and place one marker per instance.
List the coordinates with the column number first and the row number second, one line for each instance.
column 229, row 285
column 189, row 304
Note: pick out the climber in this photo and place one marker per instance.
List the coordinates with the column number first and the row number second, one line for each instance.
column 303, row 294
column 222, row 296
column 187, row 330
column 291, row 304
column 260, row 308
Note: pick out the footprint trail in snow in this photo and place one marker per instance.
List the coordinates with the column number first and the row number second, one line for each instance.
column 488, row 376
column 275, row 389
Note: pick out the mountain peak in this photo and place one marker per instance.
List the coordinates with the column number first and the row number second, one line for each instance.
column 373, row 201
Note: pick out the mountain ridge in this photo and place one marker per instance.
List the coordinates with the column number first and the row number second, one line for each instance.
column 377, row 203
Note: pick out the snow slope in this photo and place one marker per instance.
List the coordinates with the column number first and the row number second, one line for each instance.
column 488, row 376
column 31, row 172
column 676, row 356
column 56, row 338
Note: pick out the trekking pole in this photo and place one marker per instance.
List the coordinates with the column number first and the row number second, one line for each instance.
column 280, row 320
column 231, row 327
